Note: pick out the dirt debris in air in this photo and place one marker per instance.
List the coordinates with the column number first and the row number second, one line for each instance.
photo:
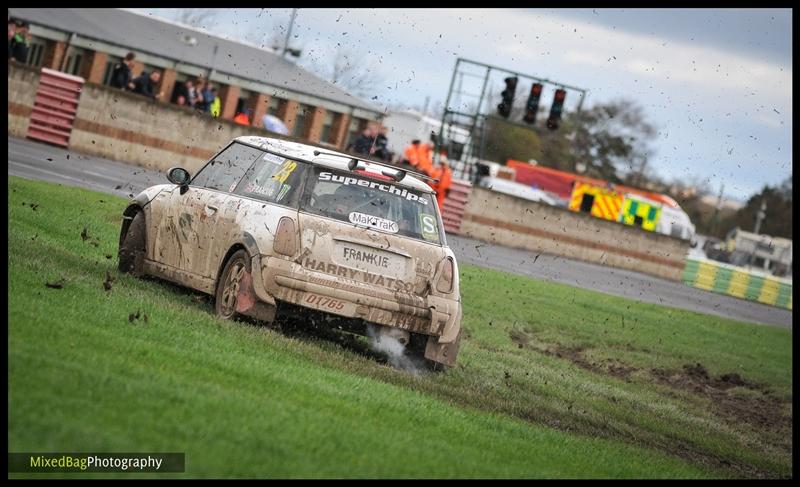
column 761, row 410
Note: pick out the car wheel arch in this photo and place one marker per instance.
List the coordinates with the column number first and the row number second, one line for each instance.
column 247, row 243
column 127, row 217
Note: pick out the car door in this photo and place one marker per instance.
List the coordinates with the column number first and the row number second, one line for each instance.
column 268, row 192
column 187, row 237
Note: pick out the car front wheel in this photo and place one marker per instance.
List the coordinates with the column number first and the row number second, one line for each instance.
column 132, row 249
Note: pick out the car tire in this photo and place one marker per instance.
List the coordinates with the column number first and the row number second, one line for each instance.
column 416, row 351
column 228, row 284
column 133, row 246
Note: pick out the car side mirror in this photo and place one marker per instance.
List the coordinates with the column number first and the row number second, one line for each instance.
column 179, row 176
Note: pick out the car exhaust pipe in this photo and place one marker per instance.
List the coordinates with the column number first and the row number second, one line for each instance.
column 388, row 334
column 400, row 336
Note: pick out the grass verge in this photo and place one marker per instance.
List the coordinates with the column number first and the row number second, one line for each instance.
column 552, row 381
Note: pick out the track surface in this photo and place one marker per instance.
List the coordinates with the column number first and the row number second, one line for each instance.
column 38, row 161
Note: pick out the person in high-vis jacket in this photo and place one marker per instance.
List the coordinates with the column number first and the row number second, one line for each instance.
column 411, row 154
column 444, row 174
column 216, row 104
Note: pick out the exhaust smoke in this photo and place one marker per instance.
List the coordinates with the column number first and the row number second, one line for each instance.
column 391, row 342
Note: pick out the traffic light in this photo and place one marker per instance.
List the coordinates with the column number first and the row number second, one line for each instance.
column 533, row 103
column 504, row 108
column 555, row 109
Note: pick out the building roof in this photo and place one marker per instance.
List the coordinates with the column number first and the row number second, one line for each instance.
column 147, row 34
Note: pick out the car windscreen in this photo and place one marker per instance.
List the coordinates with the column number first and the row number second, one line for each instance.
column 372, row 203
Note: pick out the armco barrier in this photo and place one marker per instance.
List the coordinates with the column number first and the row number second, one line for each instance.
column 455, row 204
column 54, row 108
column 738, row 282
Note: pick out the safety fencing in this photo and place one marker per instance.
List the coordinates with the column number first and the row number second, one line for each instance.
column 54, row 108
column 738, row 282
column 455, row 204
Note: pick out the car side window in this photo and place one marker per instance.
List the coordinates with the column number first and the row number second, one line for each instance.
column 225, row 171
column 273, row 179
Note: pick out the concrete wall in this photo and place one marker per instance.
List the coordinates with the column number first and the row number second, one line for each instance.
column 122, row 126
column 22, row 84
column 516, row 222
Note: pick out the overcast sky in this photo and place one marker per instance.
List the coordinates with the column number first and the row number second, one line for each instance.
column 716, row 83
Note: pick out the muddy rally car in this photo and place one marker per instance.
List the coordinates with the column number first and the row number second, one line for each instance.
column 269, row 225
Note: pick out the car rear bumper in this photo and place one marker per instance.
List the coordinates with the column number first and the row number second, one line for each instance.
column 432, row 315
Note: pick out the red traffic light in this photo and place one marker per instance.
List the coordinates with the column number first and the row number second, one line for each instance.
column 533, row 103
column 556, row 108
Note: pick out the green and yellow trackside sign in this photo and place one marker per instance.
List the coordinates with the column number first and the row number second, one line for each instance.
column 640, row 213
column 738, row 282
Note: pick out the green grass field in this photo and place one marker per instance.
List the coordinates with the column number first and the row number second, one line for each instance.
column 552, row 381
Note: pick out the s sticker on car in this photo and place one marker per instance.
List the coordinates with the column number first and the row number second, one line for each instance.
column 429, row 230
column 375, row 222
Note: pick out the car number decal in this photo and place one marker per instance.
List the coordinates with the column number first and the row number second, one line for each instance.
column 324, row 302
column 286, row 170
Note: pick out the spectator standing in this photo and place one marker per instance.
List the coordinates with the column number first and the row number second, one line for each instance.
column 19, row 44
column 363, row 144
column 146, row 84
column 121, row 76
column 192, row 89
column 242, row 118
column 411, row 154
column 216, row 105
column 208, row 96
column 424, row 158
column 274, row 124
column 199, row 88
column 444, row 174
column 382, row 145
column 184, row 93
column 12, row 29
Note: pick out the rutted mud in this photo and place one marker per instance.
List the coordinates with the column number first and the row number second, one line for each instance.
column 758, row 407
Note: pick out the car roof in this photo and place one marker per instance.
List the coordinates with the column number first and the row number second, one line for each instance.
column 330, row 158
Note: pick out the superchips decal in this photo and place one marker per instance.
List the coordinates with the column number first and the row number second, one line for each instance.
column 388, row 188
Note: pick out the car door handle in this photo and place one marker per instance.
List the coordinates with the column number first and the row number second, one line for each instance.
column 211, row 207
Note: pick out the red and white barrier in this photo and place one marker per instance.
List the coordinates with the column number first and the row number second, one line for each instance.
column 54, row 107
column 454, row 205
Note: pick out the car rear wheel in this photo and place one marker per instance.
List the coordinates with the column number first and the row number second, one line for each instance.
column 132, row 249
column 416, row 351
column 229, row 284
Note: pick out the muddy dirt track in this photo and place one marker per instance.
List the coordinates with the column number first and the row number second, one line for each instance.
column 38, row 161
